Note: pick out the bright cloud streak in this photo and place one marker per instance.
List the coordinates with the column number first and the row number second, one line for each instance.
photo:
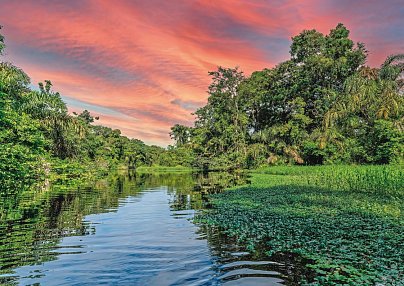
column 142, row 65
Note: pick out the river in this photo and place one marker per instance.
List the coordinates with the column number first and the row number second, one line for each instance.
column 127, row 229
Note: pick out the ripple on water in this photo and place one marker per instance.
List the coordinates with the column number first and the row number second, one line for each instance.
column 136, row 234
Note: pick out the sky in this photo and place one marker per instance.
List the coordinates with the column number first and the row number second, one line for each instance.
column 142, row 65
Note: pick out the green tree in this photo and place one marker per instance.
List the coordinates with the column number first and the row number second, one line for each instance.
column 86, row 116
column 181, row 134
column 371, row 95
column 220, row 126
column 22, row 153
column 323, row 63
column 48, row 107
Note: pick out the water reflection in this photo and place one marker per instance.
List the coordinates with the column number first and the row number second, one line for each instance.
column 129, row 229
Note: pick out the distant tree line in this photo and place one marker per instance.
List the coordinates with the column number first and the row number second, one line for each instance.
column 322, row 106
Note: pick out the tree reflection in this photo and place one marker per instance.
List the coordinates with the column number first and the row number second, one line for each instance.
column 33, row 222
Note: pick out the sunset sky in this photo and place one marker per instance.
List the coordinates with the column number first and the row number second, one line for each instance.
column 142, row 66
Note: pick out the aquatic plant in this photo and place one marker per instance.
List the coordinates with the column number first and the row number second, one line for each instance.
column 347, row 220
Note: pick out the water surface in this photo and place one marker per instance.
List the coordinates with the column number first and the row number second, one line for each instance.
column 127, row 229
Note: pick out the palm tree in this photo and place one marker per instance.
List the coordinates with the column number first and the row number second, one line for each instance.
column 48, row 107
column 372, row 93
column 392, row 69
column 181, row 134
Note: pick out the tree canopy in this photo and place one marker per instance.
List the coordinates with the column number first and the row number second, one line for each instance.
column 323, row 105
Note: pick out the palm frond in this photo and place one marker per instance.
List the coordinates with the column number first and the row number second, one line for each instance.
column 392, row 68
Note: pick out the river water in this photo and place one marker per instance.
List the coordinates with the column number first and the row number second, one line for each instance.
column 128, row 229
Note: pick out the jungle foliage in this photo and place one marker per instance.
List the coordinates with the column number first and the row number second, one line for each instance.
column 322, row 106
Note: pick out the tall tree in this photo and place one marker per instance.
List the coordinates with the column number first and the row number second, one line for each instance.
column 48, row 107
column 181, row 134
column 323, row 63
column 372, row 98
column 221, row 123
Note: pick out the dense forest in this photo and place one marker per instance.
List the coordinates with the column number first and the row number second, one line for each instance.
column 39, row 136
column 322, row 106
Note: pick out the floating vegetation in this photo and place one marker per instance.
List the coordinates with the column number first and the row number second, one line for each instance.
column 347, row 220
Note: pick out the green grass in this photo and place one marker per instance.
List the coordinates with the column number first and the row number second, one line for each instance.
column 347, row 220
column 163, row 169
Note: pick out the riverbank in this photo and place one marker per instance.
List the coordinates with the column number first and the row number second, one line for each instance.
column 164, row 169
column 347, row 220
